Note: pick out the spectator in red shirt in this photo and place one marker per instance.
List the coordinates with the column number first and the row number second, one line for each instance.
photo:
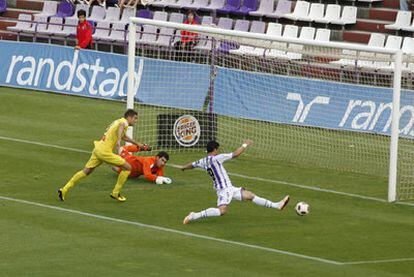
column 83, row 32
column 188, row 39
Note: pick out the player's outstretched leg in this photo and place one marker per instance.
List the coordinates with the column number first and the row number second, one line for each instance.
column 203, row 214
column 248, row 195
column 72, row 182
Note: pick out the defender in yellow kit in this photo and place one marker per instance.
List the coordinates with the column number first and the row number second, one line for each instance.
column 104, row 152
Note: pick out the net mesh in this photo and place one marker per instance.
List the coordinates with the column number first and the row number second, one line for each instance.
column 317, row 106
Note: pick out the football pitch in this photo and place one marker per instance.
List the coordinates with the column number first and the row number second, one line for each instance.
column 45, row 138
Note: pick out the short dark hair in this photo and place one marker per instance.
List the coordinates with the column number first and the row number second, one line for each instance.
column 82, row 12
column 212, row 145
column 130, row 112
column 163, row 154
column 191, row 12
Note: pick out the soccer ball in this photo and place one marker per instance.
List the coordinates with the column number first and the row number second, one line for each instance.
column 302, row 208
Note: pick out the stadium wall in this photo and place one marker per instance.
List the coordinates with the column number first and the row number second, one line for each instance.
column 104, row 75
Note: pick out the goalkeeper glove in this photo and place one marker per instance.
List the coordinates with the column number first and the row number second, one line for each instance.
column 145, row 147
column 163, row 180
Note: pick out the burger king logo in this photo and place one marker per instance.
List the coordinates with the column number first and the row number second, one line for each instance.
column 187, row 130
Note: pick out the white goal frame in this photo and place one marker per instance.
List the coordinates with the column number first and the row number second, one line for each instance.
column 238, row 35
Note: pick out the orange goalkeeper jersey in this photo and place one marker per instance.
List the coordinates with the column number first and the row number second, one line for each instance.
column 141, row 165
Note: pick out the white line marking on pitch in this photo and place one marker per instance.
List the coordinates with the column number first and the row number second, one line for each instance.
column 379, row 261
column 158, row 228
column 201, row 236
column 231, row 174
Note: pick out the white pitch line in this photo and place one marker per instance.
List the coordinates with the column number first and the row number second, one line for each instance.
column 206, row 237
column 231, row 174
column 169, row 230
column 379, row 261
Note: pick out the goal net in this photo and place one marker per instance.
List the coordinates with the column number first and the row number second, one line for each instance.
column 306, row 101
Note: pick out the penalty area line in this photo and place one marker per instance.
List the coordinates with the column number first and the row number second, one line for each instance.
column 231, row 174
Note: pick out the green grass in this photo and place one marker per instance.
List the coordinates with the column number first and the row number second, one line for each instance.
column 39, row 241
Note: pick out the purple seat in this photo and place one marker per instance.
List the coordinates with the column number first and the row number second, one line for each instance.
column 179, row 4
column 265, row 7
column 3, row 6
column 231, row 6
column 144, row 14
column 247, row 7
column 65, row 9
column 241, row 25
column 283, row 7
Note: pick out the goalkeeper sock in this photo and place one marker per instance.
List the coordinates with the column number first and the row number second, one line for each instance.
column 123, row 176
column 75, row 178
column 265, row 203
column 206, row 213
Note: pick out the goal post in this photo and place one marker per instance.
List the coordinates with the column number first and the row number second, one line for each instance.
column 286, row 98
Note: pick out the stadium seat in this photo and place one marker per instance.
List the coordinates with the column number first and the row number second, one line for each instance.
column 149, row 35
column 306, row 33
column 290, row 31
column 333, row 12
column 301, row 11
column 65, row 9
column 230, row 7
column 348, row 16
column 408, row 48
column 316, row 12
column 393, row 43
column 409, row 28
column 224, row 23
column 112, row 14
column 264, row 7
column 196, row 4
column 375, row 40
column 179, row 4
column 256, row 27
column 98, row 13
column 3, row 6
column 79, row 7
column 214, row 5
column 50, row 8
column 246, row 7
column 283, row 7
column 143, row 13
column 39, row 25
column 102, row 32
column 403, row 20
column 206, row 20
column 323, row 35
column 163, row 3
column 24, row 22
column 126, row 14
column 54, row 26
column 69, row 28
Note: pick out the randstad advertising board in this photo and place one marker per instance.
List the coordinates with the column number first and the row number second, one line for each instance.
column 308, row 102
column 98, row 74
column 265, row 97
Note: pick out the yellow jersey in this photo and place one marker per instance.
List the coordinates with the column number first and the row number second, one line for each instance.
column 109, row 139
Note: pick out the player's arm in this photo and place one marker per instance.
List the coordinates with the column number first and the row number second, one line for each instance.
column 142, row 147
column 118, row 142
column 241, row 149
column 186, row 166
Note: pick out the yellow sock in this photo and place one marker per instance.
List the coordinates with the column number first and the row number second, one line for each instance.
column 75, row 178
column 123, row 176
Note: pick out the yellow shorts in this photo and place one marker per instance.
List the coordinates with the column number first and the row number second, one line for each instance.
column 99, row 156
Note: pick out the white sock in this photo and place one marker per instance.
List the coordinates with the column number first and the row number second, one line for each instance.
column 265, row 203
column 206, row 213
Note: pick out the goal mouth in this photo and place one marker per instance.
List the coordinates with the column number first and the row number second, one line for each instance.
column 302, row 101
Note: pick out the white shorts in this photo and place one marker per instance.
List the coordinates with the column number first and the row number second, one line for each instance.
column 224, row 196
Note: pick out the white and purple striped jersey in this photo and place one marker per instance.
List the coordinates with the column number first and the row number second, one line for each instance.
column 214, row 167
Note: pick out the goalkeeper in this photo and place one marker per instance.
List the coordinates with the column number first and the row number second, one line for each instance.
column 151, row 167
